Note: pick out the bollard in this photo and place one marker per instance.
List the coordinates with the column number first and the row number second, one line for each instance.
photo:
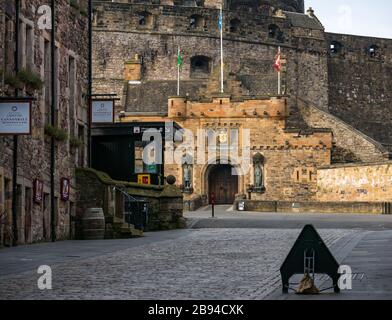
column 213, row 204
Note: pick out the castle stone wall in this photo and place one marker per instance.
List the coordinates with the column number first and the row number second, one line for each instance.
column 34, row 150
column 361, row 183
column 249, row 53
column 360, row 84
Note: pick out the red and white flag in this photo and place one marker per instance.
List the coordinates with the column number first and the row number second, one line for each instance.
column 278, row 62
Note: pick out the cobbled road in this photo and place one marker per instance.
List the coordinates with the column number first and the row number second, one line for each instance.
column 215, row 264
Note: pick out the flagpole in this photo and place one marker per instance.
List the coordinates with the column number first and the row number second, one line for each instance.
column 279, row 77
column 221, row 44
column 178, row 73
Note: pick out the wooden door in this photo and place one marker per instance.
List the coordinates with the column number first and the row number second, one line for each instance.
column 223, row 184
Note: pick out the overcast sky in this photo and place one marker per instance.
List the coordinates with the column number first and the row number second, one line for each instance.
column 360, row 17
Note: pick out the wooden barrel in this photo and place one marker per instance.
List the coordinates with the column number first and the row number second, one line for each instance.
column 93, row 223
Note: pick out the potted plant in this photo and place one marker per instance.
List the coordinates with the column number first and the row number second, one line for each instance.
column 30, row 79
column 56, row 133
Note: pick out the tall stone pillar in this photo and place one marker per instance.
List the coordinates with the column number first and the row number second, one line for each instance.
column 213, row 3
column 133, row 69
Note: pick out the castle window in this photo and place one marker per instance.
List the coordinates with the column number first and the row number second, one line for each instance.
column 234, row 25
column 196, row 22
column 373, row 51
column 274, row 32
column 335, row 47
column 145, row 19
column 200, row 67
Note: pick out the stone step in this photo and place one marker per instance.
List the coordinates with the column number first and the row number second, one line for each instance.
column 125, row 231
column 131, row 233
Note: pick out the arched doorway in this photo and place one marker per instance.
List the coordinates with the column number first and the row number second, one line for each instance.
column 222, row 183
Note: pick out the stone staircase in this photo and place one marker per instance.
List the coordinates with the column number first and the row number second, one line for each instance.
column 232, row 85
column 122, row 230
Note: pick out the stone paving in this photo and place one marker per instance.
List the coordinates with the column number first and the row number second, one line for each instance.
column 226, row 217
column 204, row 264
column 371, row 261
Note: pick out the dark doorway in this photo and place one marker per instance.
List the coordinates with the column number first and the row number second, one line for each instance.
column 113, row 155
column 200, row 67
column 223, row 183
column 46, row 232
column 28, row 216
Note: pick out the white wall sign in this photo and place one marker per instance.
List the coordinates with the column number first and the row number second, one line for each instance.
column 102, row 111
column 15, row 117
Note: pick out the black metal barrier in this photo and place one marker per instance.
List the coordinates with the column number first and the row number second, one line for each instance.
column 311, row 256
column 387, row 208
column 136, row 213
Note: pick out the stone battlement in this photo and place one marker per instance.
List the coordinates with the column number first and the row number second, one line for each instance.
column 223, row 107
column 264, row 25
column 248, row 5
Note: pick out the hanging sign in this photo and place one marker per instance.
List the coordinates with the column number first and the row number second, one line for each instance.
column 15, row 117
column 38, row 191
column 65, row 189
column 102, row 111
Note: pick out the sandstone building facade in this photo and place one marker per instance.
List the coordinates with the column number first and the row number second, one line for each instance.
column 335, row 106
column 33, row 217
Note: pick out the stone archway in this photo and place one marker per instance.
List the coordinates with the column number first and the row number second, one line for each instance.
column 223, row 183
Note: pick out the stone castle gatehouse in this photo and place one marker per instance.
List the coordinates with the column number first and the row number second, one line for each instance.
column 326, row 113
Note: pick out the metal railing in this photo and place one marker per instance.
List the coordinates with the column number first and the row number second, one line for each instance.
column 387, row 208
column 137, row 217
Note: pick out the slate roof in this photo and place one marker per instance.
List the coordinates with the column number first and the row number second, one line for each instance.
column 300, row 20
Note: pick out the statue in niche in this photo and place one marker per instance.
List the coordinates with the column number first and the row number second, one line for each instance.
column 187, row 176
column 258, row 177
column 258, row 163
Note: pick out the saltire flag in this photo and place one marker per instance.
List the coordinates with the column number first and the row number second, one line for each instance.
column 220, row 25
column 278, row 62
column 220, row 22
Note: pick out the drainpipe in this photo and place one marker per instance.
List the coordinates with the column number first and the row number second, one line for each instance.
column 52, row 119
column 15, row 149
column 90, row 78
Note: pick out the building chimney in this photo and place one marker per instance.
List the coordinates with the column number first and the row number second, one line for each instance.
column 310, row 12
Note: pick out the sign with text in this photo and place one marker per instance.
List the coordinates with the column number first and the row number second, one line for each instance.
column 144, row 179
column 65, row 189
column 15, row 117
column 38, row 191
column 102, row 111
